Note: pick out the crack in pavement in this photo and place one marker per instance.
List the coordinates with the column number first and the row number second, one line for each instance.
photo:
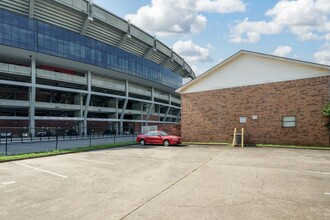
column 260, row 192
column 233, row 204
column 170, row 186
column 215, row 206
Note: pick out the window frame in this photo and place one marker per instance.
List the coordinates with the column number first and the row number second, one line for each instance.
column 287, row 116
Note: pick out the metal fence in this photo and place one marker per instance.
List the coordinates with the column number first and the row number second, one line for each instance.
column 15, row 140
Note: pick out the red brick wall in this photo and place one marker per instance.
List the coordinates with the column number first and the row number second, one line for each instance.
column 172, row 129
column 213, row 115
column 137, row 127
column 151, row 118
column 13, row 123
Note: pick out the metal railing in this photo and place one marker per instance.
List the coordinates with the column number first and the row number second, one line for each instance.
column 18, row 140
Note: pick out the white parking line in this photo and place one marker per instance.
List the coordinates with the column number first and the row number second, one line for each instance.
column 318, row 172
column 326, row 193
column 41, row 170
column 93, row 161
column 7, row 183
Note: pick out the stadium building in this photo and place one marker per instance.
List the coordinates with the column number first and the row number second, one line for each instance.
column 72, row 64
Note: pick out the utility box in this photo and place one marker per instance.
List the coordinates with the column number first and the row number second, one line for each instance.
column 238, row 138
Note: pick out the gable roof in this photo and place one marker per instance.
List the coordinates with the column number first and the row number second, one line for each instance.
column 234, row 57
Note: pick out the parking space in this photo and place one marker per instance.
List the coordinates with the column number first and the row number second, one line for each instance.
column 155, row 182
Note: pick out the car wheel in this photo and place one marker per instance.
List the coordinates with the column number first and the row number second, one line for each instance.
column 166, row 143
column 142, row 142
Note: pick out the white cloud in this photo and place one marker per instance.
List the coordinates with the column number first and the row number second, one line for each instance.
column 282, row 51
column 322, row 57
column 199, row 69
column 327, row 37
column 177, row 17
column 221, row 6
column 191, row 52
column 252, row 30
column 307, row 19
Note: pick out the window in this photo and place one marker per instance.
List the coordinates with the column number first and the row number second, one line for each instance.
column 242, row 119
column 289, row 121
column 151, row 134
column 162, row 133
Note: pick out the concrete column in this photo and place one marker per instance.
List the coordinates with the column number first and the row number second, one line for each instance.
column 166, row 114
column 111, row 104
column 124, row 108
column 142, row 104
column 151, row 105
column 178, row 116
column 116, row 116
column 32, row 98
column 117, row 108
column 88, row 99
column 78, row 100
column 171, row 114
column 168, row 108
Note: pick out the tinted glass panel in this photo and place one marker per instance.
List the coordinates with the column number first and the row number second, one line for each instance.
column 21, row 32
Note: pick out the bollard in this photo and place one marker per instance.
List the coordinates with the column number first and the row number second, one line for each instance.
column 56, row 142
column 6, row 145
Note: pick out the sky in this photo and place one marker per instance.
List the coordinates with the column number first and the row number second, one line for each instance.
column 206, row 32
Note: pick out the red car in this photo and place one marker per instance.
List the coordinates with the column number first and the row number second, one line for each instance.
column 158, row 137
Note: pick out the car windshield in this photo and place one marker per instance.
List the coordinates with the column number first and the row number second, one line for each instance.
column 162, row 133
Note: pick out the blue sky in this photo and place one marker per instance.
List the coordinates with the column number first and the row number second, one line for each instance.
column 205, row 32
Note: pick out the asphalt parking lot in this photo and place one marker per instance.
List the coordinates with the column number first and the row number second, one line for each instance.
column 156, row 182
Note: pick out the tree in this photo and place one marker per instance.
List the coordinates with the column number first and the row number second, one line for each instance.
column 326, row 112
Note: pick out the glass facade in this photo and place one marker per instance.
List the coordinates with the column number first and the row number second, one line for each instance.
column 30, row 34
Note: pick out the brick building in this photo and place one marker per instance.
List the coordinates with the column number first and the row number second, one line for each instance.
column 277, row 100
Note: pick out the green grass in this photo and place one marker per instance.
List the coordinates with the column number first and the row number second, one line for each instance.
column 58, row 152
column 293, row 146
column 261, row 145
